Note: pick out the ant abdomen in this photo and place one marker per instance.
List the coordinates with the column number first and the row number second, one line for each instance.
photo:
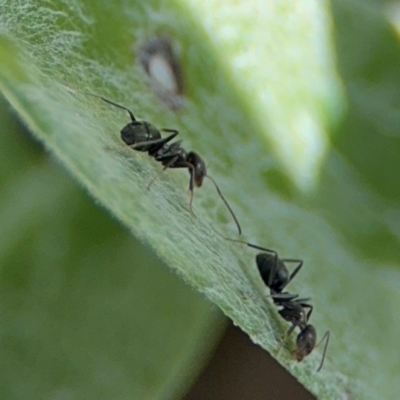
column 139, row 132
column 273, row 271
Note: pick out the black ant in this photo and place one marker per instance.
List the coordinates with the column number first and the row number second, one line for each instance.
column 294, row 311
column 276, row 277
column 143, row 136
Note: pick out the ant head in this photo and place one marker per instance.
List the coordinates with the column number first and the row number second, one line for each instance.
column 138, row 132
column 305, row 342
column 273, row 271
column 200, row 169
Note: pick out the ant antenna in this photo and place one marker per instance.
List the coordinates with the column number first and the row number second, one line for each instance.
column 110, row 102
column 166, row 166
column 246, row 243
column 226, row 203
column 327, row 335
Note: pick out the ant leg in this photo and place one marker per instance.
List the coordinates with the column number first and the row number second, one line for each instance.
column 184, row 164
column 327, row 335
column 285, row 296
column 226, row 204
column 164, row 168
column 296, row 270
column 160, row 141
column 110, row 102
column 169, row 130
column 305, row 305
column 285, row 337
column 191, row 188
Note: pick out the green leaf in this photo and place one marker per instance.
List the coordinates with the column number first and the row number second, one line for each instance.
column 281, row 126
column 86, row 312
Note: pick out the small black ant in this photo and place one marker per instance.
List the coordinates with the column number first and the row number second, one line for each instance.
column 143, row 136
column 276, row 277
column 293, row 310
